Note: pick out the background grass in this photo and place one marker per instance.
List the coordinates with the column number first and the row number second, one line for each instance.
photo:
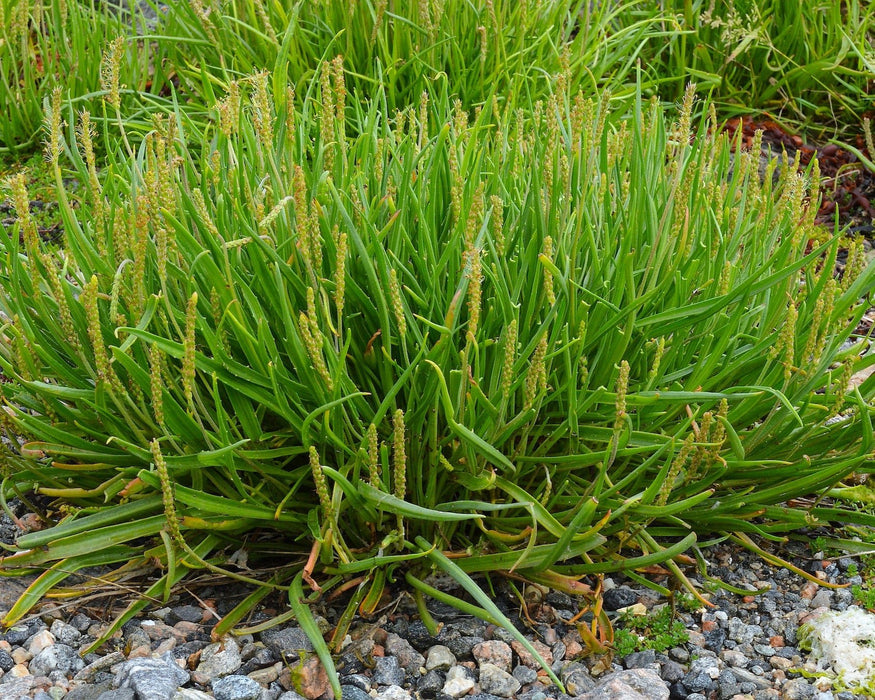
column 455, row 290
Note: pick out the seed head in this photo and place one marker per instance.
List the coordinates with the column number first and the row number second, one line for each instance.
column 399, row 460
column 497, row 224
column 55, row 124
column 109, row 73
column 156, row 383
column 261, row 111
column 547, row 252
column 340, row 273
column 397, row 304
column 510, row 342
column 374, row 476
column 166, row 492
column 675, row 470
column 88, row 298
column 621, row 390
column 321, row 485
column 188, row 351
column 475, row 275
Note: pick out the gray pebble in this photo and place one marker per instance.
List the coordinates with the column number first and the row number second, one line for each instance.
column 524, row 674
column 640, row 659
column 439, row 658
column 497, row 681
column 287, row 642
column 407, row 656
column 632, row 684
column 430, row 684
column 671, row 671
column 151, row 679
column 798, row 689
column 459, row 682
column 58, row 657
column 388, row 671
column 351, row 692
column 64, row 633
column 236, row 688
column 219, row 659
column 393, row 692
column 120, row 694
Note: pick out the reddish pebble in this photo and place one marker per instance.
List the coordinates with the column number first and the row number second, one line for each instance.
column 709, row 625
column 776, row 642
column 809, row 590
column 749, row 599
column 378, row 650
column 573, row 650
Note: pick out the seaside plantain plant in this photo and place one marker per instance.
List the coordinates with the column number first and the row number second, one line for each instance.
column 541, row 339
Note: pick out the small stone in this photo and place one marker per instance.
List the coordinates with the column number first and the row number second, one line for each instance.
column 219, row 659
column 493, row 652
column 430, row 684
column 360, row 680
column 798, row 689
column 640, row 659
column 679, row 654
column 459, row 682
column 236, row 687
column 100, row 664
column 497, row 681
column 64, row 633
column 18, row 671
column 739, row 632
column 671, row 671
column 439, row 658
column 808, row 591
column 266, row 676
column 822, row 599
column 632, row 684
column 348, row 692
column 578, row 681
column 524, row 674
column 18, row 634
column 6, row 661
column 734, row 658
column 191, row 694
column 89, row 691
column 714, row 639
column 58, row 657
column 745, row 676
column 286, row 642
column 120, row 694
column 393, row 692
column 155, row 631
column 309, row 677
column 401, row 649
column 526, row 657
column 151, row 679
column 620, row 597
column 17, row 687
column 189, row 613
column 780, row 663
column 388, row 671
column 40, row 641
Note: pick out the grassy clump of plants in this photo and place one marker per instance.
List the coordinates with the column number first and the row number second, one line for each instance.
column 44, row 46
column 536, row 337
column 808, row 63
column 456, row 314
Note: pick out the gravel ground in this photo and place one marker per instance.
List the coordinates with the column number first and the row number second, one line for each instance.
column 742, row 649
